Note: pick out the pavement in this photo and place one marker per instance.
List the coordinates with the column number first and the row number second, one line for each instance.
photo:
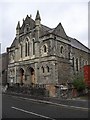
column 74, row 102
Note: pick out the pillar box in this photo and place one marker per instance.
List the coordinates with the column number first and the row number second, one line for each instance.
column 87, row 75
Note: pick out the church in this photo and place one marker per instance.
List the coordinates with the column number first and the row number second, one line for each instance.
column 44, row 56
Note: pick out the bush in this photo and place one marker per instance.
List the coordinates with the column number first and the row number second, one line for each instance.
column 79, row 83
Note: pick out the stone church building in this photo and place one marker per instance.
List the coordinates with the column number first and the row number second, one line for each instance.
column 44, row 56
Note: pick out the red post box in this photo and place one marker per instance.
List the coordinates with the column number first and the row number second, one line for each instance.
column 87, row 74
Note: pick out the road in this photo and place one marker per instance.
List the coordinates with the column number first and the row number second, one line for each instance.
column 15, row 107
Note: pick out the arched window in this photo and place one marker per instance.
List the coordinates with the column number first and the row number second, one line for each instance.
column 21, row 50
column 47, row 69
column 45, row 48
column 77, row 64
column 27, row 28
column 83, row 62
column 61, row 49
column 86, row 62
column 26, row 49
column 42, row 69
column 33, row 47
column 73, row 62
column 69, row 55
column 21, row 72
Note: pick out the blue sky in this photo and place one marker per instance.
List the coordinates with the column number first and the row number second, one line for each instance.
column 73, row 14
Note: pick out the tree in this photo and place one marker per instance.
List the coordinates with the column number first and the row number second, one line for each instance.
column 78, row 82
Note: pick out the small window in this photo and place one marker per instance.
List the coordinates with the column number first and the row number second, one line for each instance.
column 73, row 62
column 69, row 55
column 45, row 48
column 61, row 49
column 27, row 29
column 83, row 62
column 77, row 65
column 42, row 69
column 47, row 69
column 86, row 62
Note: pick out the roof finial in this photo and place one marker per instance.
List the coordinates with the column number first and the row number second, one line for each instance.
column 18, row 25
column 30, row 16
column 23, row 19
column 37, row 16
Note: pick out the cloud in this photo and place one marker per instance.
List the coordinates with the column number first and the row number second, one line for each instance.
column 72, row 15
column 44, row 1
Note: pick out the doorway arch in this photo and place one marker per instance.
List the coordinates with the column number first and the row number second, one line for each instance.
column 32, row 75
column 21, row 71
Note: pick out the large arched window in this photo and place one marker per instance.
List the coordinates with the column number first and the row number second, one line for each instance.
column 21, row 50
column 27, row 47
column 33, row 47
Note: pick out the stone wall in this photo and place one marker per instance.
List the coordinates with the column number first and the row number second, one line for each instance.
column 51, row 90
column 83, row 58
column 64, row 72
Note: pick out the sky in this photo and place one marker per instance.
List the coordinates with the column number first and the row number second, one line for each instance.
column 73, row 14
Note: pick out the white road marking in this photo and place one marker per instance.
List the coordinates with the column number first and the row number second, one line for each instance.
column 19, row 109
column 42, row 101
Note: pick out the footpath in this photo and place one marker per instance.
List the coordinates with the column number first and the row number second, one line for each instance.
column 74, row 102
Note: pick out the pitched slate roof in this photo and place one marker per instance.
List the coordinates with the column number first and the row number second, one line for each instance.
column 59, row 30
column 44, row 30
column 75, row 43
column 13, row 43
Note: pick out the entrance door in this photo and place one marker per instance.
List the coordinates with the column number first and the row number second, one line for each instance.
column 21, row 76
column 32, row 75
